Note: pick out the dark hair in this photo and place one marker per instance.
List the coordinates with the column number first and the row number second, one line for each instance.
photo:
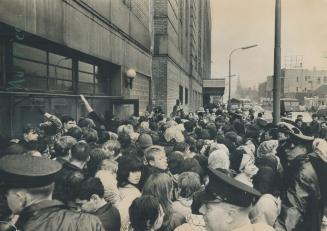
column 90, row 135
column 175, row 162
column 97, row 155
column 103, row 136
column 67, row 186
column 86, row 122
column 143, row 212
column 28, row 128
column 273, row 132
column 80, row 151
column 75, row 132
column 127, row 164
column 125, row 140
column 188, row 183
column 188, row 125
column 181, row 146
column 66, row 118
column 89, row 187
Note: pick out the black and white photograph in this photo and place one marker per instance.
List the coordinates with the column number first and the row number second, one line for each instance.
column 163, row 115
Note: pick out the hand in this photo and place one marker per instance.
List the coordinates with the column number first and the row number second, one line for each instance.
column 47, row 115
column 82, row 98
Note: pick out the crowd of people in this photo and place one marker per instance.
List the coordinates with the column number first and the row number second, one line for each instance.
column 209, row 170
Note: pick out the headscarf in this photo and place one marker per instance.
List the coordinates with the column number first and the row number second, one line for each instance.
column 268, row 147
column 319, row 146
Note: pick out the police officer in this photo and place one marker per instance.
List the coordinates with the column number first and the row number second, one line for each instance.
column 29, row 185
column 226, row 204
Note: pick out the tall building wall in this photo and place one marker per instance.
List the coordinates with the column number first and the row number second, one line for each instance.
column 182, row 30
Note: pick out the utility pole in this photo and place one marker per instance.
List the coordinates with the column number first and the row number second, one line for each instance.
column 277, row 64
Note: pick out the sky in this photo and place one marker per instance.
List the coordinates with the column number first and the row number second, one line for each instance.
column 238, row 23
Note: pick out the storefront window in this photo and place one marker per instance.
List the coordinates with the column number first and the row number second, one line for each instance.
column 30, row 68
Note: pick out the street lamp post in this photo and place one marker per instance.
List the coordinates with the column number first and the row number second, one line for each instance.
column 230, row 68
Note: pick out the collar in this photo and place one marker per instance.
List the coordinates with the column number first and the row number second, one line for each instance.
column 35, row 209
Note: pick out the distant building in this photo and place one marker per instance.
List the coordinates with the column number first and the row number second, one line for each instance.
column 299, row 83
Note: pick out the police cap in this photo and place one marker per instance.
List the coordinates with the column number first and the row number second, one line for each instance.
column 25, row 171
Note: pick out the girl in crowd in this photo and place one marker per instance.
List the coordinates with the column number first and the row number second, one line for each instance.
column 128, row 177
column 146, row 214
column 160, row 185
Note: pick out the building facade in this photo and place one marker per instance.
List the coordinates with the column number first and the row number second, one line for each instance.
column 181, row 56
column 52, row 51
column 297, row 83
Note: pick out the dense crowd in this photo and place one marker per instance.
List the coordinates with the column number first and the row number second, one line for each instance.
column 209, row 170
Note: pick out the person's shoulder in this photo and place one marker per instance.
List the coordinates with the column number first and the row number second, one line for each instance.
column 258, row 226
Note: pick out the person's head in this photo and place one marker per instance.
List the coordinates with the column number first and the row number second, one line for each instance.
column 144, row 141
column 146, row 213
column 75, row 132
column 295, row 148
column 188, row 184
column 178, row 102
column 300, row 117
column 175, row 162
column 80, row 152
column 229, row 216
column 282, row 134
column 323, row 124
column 124, row 140
column 63, row 145
column 227, row 199
column 86, row 122
column 90, row 135
column 97, row 155
column 218, row 159
column 30, row 133
column 315, row 117
column 129, row 171
column 271, row 134
column 24, row 183
column 112, row 146
column 247, row 165
column 109, row 165
column 182, row 147
column 68, row 122
column 160, row 185
column 19, row 198
column 90, row 195
column 267, row 147
column 156, row 157
column 299, row 122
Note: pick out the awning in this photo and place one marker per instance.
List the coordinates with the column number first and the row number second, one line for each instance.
column 213, row 87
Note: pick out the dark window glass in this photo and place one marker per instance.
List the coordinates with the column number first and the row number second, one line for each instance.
column 60, row 73
column 30, row 68
column 181, row 94
column 186, row 95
